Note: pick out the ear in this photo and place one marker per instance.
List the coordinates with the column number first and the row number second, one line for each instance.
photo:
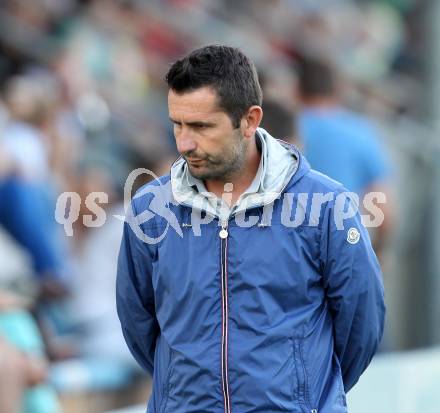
column 251, row 120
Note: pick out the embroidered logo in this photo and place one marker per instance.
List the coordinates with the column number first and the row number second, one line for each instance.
column 353, row 236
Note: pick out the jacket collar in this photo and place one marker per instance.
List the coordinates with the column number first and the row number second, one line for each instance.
column 280, row 161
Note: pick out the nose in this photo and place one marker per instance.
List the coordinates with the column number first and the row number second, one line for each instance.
column 184, row 141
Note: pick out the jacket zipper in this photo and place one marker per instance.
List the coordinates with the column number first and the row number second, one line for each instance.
column 223, row 234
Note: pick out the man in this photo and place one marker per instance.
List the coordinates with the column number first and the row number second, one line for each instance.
column 237, row 308
column 340, row 143
column 17, row 218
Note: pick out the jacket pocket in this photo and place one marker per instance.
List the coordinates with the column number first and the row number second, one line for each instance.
column 166, row 384
column 337, row 374
column 303, row 393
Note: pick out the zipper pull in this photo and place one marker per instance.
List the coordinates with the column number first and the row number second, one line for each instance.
column 223, row 234
column 314, row 411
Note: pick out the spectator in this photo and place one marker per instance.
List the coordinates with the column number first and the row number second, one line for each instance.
column 23, row 368
column 12, row 380
column 340, row 143
column 28, row 180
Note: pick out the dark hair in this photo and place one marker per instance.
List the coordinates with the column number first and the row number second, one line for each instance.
column 315, row 78
column 278, row 120
column 227, row 70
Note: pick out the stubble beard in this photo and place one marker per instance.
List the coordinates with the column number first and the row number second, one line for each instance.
column 223, row 167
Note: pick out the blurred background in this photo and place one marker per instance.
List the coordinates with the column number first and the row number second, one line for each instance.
column 355, row 84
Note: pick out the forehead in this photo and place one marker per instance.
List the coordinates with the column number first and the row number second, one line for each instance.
column 202, row 102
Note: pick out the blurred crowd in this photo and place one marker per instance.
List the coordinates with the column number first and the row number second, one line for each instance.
column 83, row 103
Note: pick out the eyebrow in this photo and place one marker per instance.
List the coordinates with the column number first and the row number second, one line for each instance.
column 194, row 123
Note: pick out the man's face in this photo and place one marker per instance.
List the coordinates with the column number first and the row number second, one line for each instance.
column 205, row 136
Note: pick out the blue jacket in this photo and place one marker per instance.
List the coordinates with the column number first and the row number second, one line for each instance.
column 272, row 317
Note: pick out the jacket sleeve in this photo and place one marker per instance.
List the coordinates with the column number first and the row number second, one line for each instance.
column 354, row 291
column 135, row 296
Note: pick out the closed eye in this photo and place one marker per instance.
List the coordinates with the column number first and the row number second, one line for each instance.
column 195, row 125
column 199, row 125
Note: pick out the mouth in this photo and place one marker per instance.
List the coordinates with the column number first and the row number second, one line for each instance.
column 195, row 161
